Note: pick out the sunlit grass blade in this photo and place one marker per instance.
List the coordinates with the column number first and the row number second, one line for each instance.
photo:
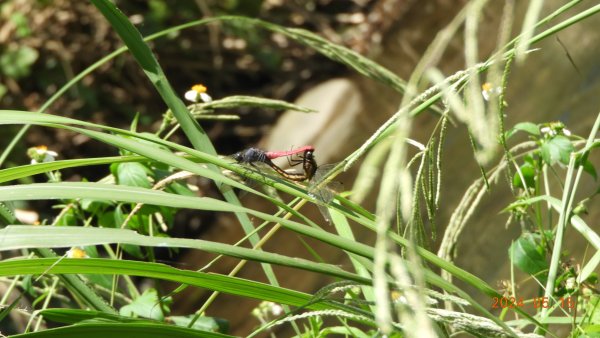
column 72, row 316
column 237, row 101
column 225, row 284
column 15, row 173
column 26, row 237
column 130, row 330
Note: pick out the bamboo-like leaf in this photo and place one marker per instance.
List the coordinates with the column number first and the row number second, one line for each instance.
column 72, row 316
column 15, row 173
column 226, row 284
column 129, row 330
column 27, row 237
column 71, row 190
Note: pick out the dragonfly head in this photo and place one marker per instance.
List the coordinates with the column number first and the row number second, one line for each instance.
column 250, row 155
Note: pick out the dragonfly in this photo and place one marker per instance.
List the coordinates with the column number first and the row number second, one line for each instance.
column 311, row 171
column 254, row 155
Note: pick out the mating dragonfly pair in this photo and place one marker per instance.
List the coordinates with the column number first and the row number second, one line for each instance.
column 305, row 156
column 309, row 165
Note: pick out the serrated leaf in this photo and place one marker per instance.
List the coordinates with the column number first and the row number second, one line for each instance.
column 557, row 149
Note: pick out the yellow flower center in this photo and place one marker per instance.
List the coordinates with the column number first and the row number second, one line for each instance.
column 199, row 88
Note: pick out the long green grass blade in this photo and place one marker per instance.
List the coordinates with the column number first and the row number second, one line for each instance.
column 26, row 237
column 15, row 173
column 226, row 284
column 129, row 330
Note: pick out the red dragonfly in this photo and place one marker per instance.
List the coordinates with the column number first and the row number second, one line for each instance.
column 309, row 166
column 253, row 155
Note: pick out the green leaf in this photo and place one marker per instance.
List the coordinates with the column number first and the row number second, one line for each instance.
column 129, row 330
column 528, row 127
column 588, row 167
column 528, row 172
column 132, row 174
column 73, row 316
column 16, row 62
column 21, row 237
column 225, row 284
column 251, row 101
column 557, row 149
column 593, row 310
column 202, row 323
column 527, row 255
column 147, row 305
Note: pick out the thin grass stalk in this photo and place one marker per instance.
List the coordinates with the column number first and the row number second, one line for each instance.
column 529, row 24
column 564, row 215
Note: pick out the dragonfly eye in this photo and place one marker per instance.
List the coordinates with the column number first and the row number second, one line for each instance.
column 238, row 157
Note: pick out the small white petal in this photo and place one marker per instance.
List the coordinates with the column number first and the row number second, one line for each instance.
column 276, row 309
column 205, row 98
column 48, row 158
column 191, row 95
column 485, row 94
column 566, row 131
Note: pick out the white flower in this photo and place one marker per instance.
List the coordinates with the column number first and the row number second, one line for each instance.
column 41, row 154
column 548, row 131
column 197, row 93
column 76, row 252
column 487, row 90
column 276, row 309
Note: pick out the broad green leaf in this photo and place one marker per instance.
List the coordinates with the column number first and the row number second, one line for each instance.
column 526, row 255
column 557, row 149
column 16, row 62
column 528, row 172
column 132, row 174
column 147, row 305
column 528, row 127
column 201, row 323
column 586, row 231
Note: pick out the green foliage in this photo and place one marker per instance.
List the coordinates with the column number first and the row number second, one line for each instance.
column 16, row 61
column 148, row 305
column 528, row 254
column 132, row 174
column 557, row 149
